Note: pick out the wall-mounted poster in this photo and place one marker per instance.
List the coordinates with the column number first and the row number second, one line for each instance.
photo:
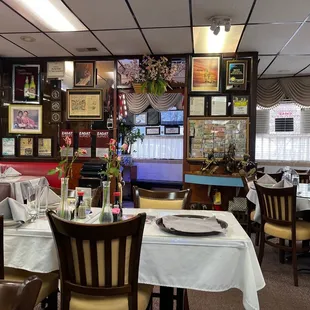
column 64, row 133
column 85, row 142
column 218, row 106
column 240, row 105
column 102, row 142
column 236, row 74
column 140, row 119
column 45, row 147
column 84, row 73
column 197, row 106
column 205, row 74
column 25, row 119
column 84, row 104
column 26, row 146
column 55, row 69
column 26, row 83
column 8, row 146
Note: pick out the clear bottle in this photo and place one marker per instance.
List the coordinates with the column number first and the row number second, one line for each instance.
column 32, row 89
column 80, row 197
column 82, row 210
column 26, row 88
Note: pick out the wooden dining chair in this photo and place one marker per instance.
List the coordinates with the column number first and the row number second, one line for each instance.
column 19, row 295
column 49, row 289
column 5, row 191
column 260, row 169
column 96, row 197
column 301, row 171
column 304, row 178
column 146, row 199
column 277, row 176
column 278, row 210
column 99, row 264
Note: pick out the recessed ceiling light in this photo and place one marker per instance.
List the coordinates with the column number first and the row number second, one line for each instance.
column 27, row 38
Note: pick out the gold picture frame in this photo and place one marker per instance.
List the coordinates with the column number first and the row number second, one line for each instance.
column 25, row 119
column 84, row 104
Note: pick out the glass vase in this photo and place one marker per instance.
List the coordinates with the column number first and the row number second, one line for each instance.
column 64, row 211
column 106, row 215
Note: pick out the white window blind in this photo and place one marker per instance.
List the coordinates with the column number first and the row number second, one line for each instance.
column 283, row 133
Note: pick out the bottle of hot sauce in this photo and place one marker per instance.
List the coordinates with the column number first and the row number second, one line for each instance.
column 117, row 203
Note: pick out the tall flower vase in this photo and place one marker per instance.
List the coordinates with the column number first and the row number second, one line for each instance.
column 64, row 211
column 106, row 215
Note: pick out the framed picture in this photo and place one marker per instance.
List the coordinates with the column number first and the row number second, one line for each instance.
column 236, row 74
column 55, row 69
column 26, row 84
column 240, row 105
column 140, row 119
column 149, row 131
column 45, row 147
column 84, row 73
column 218, row 106
column 205, row 74
column 172, row 130
column 25, row 119
column 197, row 106
column 8, row 146
column 25, row 146
column 84, row 104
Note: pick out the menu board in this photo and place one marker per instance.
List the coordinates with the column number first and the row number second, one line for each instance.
column 85, row 142
column 102, row 142
column 63, row 134
column 207, row 134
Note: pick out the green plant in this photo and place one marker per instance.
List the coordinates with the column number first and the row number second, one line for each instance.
column 129, row 136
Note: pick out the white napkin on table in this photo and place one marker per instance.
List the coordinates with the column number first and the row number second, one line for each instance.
column 282, row 184
column 52, row 197
column 12, row 209
column 266, row 179
column 11, row 172
column 195, row 225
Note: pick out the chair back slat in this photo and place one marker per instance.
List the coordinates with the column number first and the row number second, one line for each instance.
column 276, row 176
column 146, row 199
column 278, row 205
column 99, row 259
column 1, row 249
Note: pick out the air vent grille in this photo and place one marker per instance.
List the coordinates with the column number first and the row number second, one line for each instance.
column 87, row 49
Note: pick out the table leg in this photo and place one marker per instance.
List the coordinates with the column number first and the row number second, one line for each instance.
column 166, row 298
column 180, row 299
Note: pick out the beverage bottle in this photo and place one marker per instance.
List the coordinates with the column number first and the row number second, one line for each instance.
column 32, row 89
column 26, row 88
column 117, row 203
column 80, row 197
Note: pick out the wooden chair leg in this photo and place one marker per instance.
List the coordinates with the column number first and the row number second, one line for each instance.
column 281, row 252
column 52, row 301
column 257, row 238
column 186, row 304
column 294, row 263
column 261, row 247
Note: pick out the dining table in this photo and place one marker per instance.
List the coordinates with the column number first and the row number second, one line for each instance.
column 212, row 263
column 302, row 198
column 18, row 185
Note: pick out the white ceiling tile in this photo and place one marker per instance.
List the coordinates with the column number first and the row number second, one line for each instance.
column 264, row 61
column 238, row 10
column 123, row 42
column 8, row 49
column 107, row 14
column 169, row 40
column 42, row 47
column 300, row 42
column 305, row 72
column 266, row 11
column 163, row 14
column 266, row 39
column 73, row 40
column 288, row 64
column 12, row 22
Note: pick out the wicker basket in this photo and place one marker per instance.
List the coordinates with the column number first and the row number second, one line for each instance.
column 138, row 88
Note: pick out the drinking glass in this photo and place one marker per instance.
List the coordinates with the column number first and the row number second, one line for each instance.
column 43, row 192
column 32, row 203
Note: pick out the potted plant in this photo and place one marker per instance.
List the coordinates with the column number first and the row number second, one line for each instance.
column 151, row 75
column 128, row 137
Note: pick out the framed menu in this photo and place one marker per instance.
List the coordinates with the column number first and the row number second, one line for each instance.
column 85, row 142
column 45, row 147
column 8, row 146
column 215, row 134
column 26, row 146
column 218, row 106
column 63, row 134
column 197, row 106
column 102, row 142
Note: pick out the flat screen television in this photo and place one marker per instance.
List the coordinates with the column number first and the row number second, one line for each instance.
column 174, row 117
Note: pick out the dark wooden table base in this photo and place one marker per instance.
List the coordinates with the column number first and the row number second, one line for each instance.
column 167, row 297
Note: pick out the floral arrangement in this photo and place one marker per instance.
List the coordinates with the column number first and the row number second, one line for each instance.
column 64, row 168
column 154, row 74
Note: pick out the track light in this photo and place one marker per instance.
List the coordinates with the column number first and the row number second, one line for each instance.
column 227, row 25
column 217, row 30
column 213, row 25
column 218, row 21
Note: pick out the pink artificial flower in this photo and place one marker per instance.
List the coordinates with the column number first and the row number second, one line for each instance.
column 116, row 211
column 112, row 142
column 119, row 158
column 62, row 148
column 68, row 141
column 124, row 147
column 112, row 147
column 105, row 156
column 83, row 152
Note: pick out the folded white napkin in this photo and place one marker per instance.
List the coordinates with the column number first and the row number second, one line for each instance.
column 266, row 179
column 283, row 183
column 11, row 172
column 195, row 225
column 52, row 197
column 12, row 209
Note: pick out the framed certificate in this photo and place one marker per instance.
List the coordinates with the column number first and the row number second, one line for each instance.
column 152, row 131
column 240, row 105
column 236, row 74
column 197, row 106
column 172, row 130
column 8, row 146
column 45, row 147
column 26, row 146
column 84, row 104
column 218, row 106
column 140, row 119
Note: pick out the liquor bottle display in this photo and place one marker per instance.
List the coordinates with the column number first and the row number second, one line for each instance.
column 32, row 89
column 26, row 88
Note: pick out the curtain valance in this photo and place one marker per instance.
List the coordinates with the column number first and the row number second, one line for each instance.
column 137, row 103
column 270, row 92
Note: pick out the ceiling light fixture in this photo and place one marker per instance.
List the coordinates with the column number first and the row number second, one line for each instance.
column 218, row 21
column 27, row 39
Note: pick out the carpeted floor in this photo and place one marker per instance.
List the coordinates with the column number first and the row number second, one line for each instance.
column 279, row 292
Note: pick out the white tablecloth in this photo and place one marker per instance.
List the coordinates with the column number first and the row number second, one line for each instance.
column 215, row 264
column 17, row 182
column 302, row 203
